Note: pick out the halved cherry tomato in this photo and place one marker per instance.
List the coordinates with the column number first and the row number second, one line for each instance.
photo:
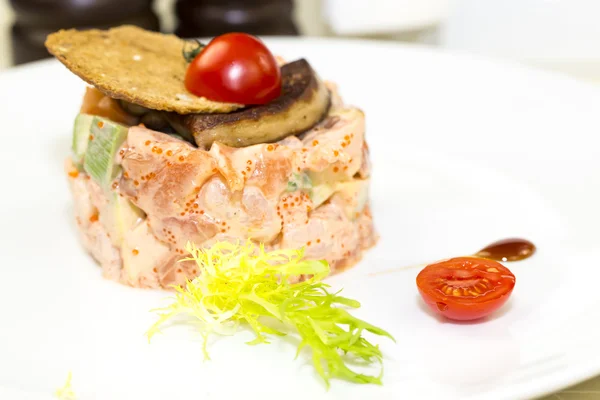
column 465, row 288
column 235, row 68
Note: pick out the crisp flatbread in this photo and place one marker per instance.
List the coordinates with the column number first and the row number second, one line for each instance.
column 130, row 63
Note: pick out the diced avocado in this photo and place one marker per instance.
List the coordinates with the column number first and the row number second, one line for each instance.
column 106, row 137
column 322, row 187
column 352, row 196
column 119, row 216
column 320, row 193
column 81, row 136
column 141, row 252
column 299, row 181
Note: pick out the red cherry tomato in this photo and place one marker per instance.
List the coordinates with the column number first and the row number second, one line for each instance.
column 235, row 68
column 465, row 288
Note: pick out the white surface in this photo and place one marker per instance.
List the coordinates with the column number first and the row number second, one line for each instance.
column 357, row 17
column 530, row 30
column 465, row 152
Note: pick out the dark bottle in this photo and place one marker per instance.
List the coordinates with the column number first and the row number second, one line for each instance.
column 35, row 19
column 214, row 17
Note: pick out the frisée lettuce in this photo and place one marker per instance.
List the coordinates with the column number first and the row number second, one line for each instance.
column 242, row 284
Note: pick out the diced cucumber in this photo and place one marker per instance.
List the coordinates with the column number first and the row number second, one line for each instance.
column 81, row 135
column 105, row 140
column 119, row 216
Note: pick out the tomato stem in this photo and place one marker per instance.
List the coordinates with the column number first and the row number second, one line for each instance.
column 191, row 49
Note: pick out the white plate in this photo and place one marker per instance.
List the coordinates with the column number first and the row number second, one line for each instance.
column 465, row 151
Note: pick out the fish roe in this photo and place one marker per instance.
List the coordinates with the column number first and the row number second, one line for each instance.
column 147, row 143
column 100, row 124
column 74, row 174
column 270, row 147
column 181, row 158
column 169, row 153
column 315, row 142
column 94, row 218
column 135, row 252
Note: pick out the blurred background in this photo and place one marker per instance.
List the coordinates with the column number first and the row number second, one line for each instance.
column 560, row 35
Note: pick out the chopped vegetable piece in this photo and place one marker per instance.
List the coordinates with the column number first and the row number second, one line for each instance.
column 244, row 284
column 299, row 181
column 119, row 216
column 106, row 137
column 81, row 137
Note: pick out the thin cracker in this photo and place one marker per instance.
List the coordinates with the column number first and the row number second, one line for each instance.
column 130, row 63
